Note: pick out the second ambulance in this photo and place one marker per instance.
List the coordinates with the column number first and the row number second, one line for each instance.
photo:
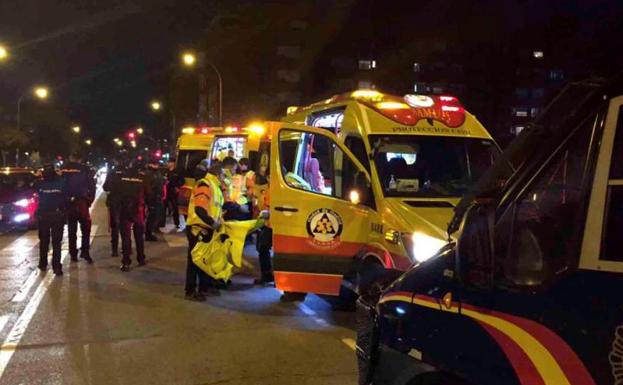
column 367, row 181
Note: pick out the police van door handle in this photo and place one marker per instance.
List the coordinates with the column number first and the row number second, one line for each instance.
column 286, row 209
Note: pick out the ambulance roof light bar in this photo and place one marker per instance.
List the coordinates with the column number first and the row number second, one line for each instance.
column 188, row 130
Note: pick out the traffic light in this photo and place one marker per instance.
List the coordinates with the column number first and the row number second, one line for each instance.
column 158, row 154
column 131, row 135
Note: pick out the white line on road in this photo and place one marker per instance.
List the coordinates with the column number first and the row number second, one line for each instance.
column 17, row 332
column 314, row 316
column 3, row 321
column 9, row 345
column 25, row 289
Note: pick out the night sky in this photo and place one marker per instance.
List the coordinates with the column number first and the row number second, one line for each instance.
column 105, row 60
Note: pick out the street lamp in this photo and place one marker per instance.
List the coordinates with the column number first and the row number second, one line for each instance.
column 4, row 53
column 155, row 105
column 140, row 131
column 76, row 129
column 189, row 60
column 88, row 142
column 41, row 92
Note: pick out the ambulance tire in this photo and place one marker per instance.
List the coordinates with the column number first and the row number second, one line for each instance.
column 369, row 273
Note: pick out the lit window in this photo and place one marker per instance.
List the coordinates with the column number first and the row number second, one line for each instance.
column 367, row 65
column 517, row 129
column 520, row 112
column 416, row 67
column 556, row 75
column 537, row 54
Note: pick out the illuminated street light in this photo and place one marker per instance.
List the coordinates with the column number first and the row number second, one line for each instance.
column 155, row 105
column 88, row 142
column 140, row 131
column 41, row 92
column 119, row 143
column 4, row 53
column 76, row 129
column 189, row 59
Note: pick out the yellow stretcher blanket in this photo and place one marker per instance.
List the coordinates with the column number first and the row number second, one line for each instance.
column 218, row 257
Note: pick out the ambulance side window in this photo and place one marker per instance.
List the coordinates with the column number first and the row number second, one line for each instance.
column 358, row 148
column 315, row 163
column 537, row 237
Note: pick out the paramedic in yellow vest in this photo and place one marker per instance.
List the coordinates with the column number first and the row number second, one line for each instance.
column 204, row 217
column 236, row 208
column 248, row 182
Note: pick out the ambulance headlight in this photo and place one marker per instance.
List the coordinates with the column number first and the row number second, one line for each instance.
column 420, row 246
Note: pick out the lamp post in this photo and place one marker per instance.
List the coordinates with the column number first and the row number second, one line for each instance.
column 189, row 59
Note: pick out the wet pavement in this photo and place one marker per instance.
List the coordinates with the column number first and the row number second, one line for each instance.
column 97, row 325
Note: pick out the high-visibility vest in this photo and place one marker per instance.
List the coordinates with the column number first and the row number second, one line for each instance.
column 216, row 207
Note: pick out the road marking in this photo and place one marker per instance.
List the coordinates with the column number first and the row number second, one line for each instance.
column 350, row 343
column 14, row 337
column 3, row 321
column 9, row 345
column 310, row 312
column 25, row 289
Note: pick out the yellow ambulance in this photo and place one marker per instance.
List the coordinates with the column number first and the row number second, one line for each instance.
column 366, row 181
column 196, row 144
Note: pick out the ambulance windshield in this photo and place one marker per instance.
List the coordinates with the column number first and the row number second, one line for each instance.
column 430, row 166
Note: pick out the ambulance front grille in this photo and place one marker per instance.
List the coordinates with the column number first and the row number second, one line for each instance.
column 366, row 340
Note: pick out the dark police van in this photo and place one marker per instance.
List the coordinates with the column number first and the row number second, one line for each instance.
column 531, row 291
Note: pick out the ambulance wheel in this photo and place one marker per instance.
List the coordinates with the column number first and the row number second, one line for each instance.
column 290, row 296
column 369, row 273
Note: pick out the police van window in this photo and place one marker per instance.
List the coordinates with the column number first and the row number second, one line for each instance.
column 316, row 164
column 537, row 236
column 613, row 222
column 358, row 148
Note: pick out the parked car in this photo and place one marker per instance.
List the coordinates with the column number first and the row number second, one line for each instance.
column 18, row 198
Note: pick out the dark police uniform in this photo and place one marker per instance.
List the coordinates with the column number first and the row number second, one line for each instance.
column 111, row 185
column 174, row 182
column 51, row 213
column 154, row 182
column 130, row 192
column 81, row 191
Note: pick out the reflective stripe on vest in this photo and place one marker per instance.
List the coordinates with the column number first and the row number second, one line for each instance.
column 216, row 207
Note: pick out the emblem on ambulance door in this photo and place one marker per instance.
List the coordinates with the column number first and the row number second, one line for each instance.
column 324, row 227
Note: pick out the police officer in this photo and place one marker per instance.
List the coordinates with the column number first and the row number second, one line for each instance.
column 174, row 182
column 81, row 191
column 53, row 200
column 204, row 217
column 265, row 235
column 154, row 182
column 130, row 192
column 113, row 178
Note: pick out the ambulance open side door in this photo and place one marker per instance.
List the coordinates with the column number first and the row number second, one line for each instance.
column 320, row 202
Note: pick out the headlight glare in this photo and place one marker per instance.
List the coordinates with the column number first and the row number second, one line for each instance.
column 420, row 246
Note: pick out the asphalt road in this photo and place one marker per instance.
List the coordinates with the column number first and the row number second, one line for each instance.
column 97, row 325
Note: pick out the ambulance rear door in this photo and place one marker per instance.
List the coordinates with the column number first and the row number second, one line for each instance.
column 320, row 204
